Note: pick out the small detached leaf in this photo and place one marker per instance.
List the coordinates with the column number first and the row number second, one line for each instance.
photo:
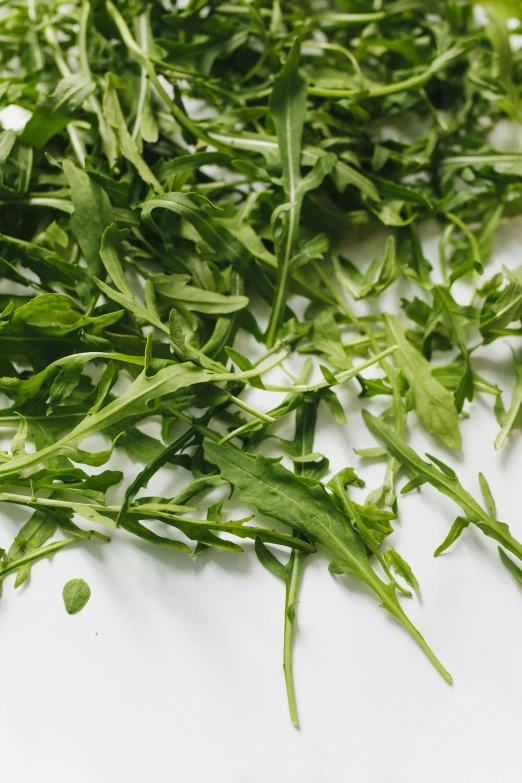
column 75, row 594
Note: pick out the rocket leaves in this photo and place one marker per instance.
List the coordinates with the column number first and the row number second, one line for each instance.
column 444, row 479
column 53, row 112
column 184, row 202
column 433, row 403
column 276, row 493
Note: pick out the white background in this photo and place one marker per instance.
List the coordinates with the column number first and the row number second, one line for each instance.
column 173, row 670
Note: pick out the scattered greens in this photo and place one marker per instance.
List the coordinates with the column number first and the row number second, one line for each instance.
column 75, row 594
column 179, row 220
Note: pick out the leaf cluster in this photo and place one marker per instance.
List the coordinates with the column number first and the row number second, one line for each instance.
column 176, row 216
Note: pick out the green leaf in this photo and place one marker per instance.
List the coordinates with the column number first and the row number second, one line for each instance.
column 447, row 484
column 18, row 442
column 53, row 112
column 288, row 109
column 47, row 264
column 380, row 275
column 460, row 524
column 199, row 212
column 114, row 116
column 512, row 419
column 92, row 214
column 176, row 288
column 269, row 561
column 277, row 493
column 508, row 307
column 433, row 403
column 76, row 594
column 134, row 401
column 510, row 565
column 402, row 569
column 487, row 495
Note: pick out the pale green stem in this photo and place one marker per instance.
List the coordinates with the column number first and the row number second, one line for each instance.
column 442, row 251
column 272, row 362
column 349, row 19
column 340, row 378
column 143, row 77
column 64, row 69
column 31, row 10
column 329, row 47
column 249, row 409
column 283, row 273
column 386, row 89
column 292, row 588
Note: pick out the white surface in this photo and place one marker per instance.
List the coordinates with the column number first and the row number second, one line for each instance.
column 173, row 670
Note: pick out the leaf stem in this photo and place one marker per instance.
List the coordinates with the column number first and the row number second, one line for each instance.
column 249, row 409
column 340, row 378
column 65, row 71
column 272, row 362
column 381, row 90
column 295, row 565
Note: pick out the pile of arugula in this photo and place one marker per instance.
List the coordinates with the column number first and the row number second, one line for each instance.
column 187, row 177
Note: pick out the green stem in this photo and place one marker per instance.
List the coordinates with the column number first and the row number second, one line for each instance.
column 283, row 273
column 349, row 19
column 469, row 235
column 300, row 388
column 296, row 564
column 33, row 35
column 390, row 89
column 249, row 409
column 272, row 362
column 330, row 47
column 62, row 66
column 142, row 21
column 340, row 378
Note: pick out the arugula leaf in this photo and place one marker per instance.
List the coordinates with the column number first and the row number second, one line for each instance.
column 381, row 274
column 191, row 182
column 512, row 418
column 275, row 492
column 433, row 403
column 114, row 116
column 53, row 112
column 401, row 568
column 92, row 213
column 510, row 565
column 176, row 288
column 288, row 107
column 76, row 594
column 197, row 210
column 445, row 480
